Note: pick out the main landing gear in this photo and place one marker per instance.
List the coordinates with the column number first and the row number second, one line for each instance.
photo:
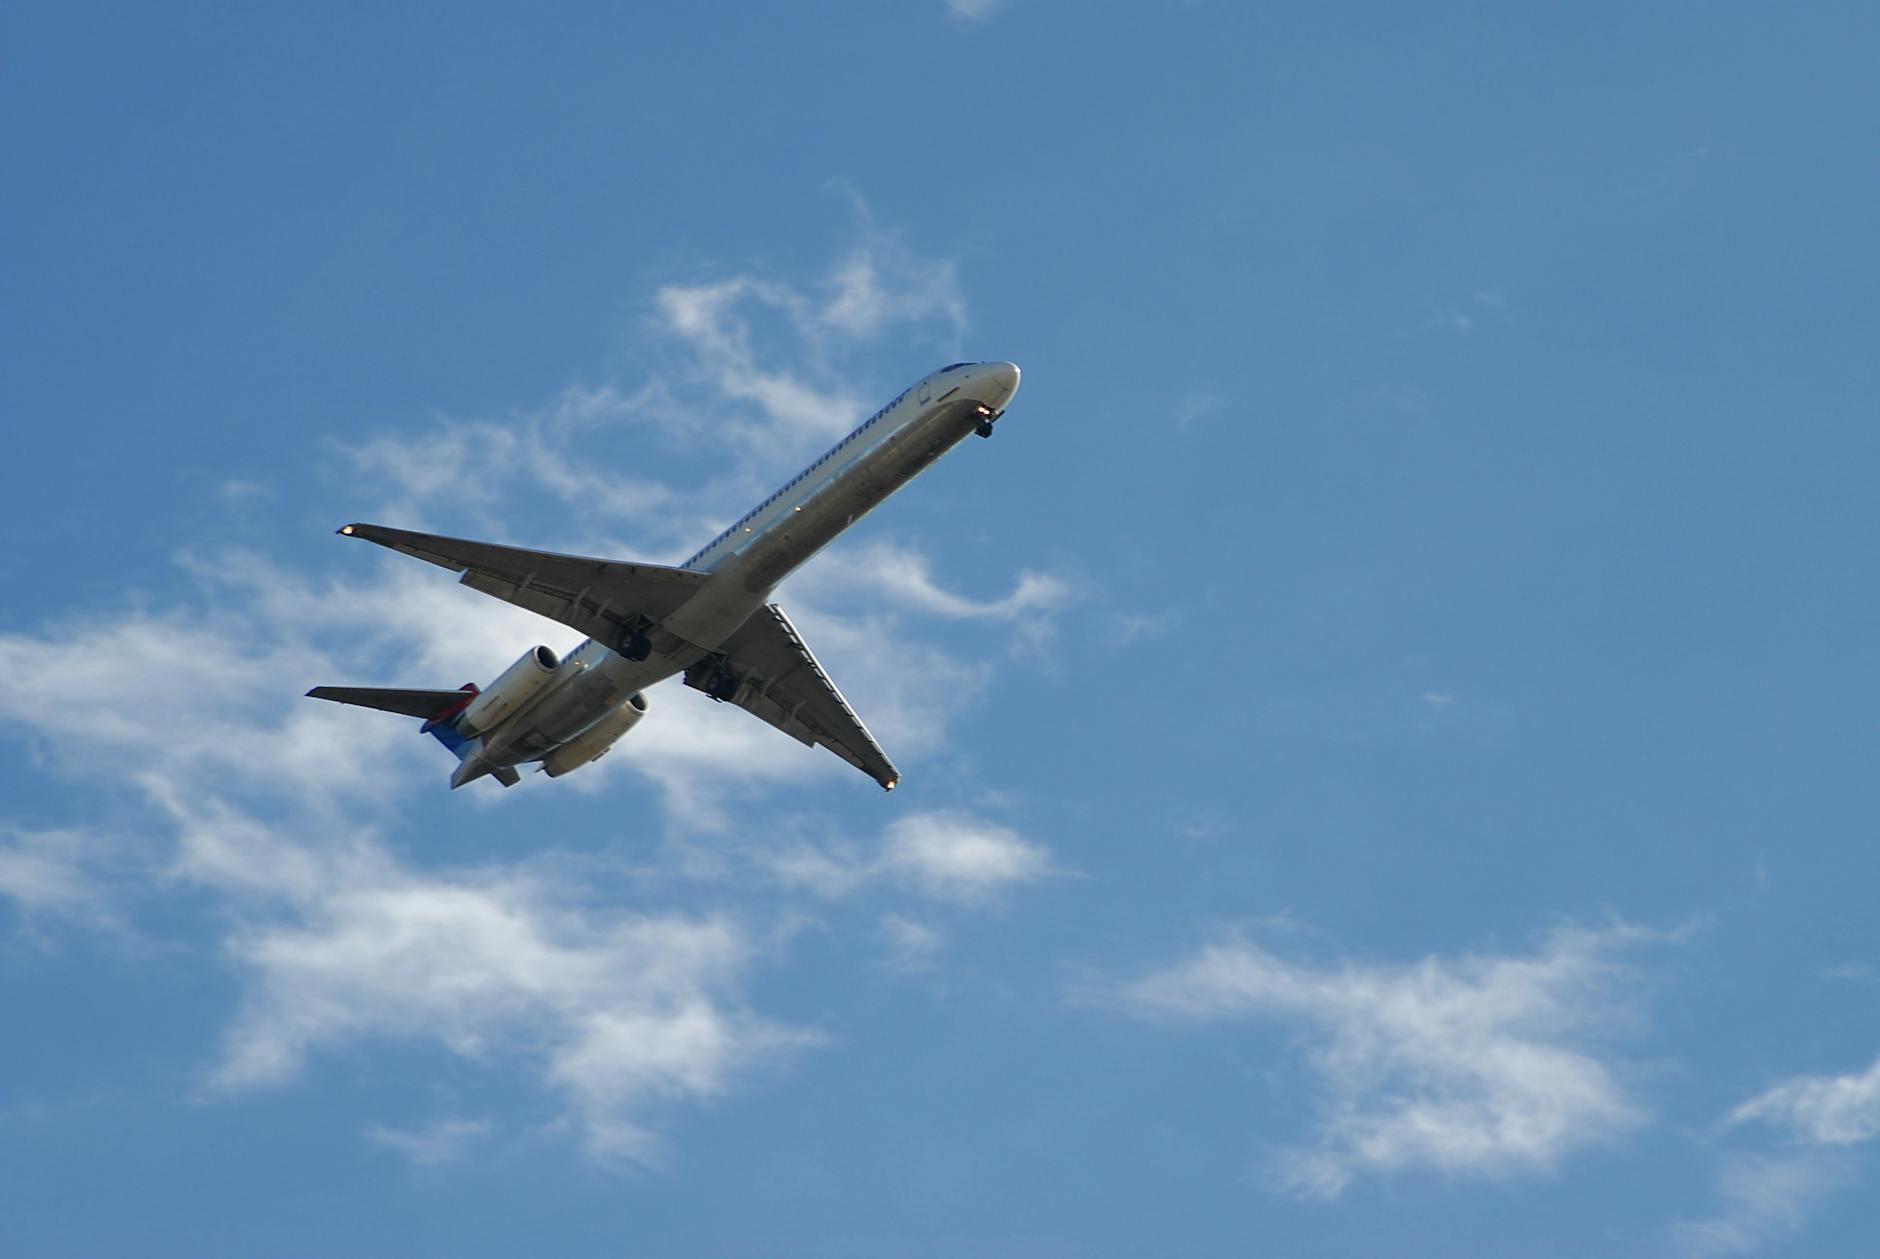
column 636, row 646
column 711, row 677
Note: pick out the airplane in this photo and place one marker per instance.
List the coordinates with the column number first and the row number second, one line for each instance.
column 708, row 619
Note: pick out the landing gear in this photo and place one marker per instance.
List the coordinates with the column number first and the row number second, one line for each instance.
column 710, row 676
column 983, row 428
column 636, row 647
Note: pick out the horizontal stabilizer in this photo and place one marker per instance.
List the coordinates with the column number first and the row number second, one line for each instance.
column 425, row 705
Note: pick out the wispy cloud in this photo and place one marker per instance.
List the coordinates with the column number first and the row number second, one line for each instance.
column 617, row 1012
column 236, row 489
column 904, row 577
column 1765, row 1198
column 1821, row 1109
column 56, row 873
column 442, row 1142
column 774, row 406
column 912, row 945
column 347, row 947
column 945, row 856
column 957, row 857
column 881, row 284
column 972, row 10
column 1472, row 1066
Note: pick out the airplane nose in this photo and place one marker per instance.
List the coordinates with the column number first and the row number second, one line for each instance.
column 1003, row 380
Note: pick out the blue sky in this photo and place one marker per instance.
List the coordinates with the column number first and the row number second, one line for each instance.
column 1387, row 726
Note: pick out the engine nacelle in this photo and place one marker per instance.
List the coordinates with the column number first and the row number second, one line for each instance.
column 509, row 694
column 592, row 744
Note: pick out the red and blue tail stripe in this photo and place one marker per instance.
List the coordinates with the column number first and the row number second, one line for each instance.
column 443, row 726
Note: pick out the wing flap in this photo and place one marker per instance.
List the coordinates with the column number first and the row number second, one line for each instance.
column 604, row 599
column 782, row 683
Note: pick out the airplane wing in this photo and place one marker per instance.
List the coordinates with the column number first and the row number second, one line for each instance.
column 780, row 681
column 604, row 599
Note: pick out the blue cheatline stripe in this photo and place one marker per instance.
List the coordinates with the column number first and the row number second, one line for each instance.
column 443, row 727
column 448, row 734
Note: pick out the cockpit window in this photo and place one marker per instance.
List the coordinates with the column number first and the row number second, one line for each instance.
column 950, row 366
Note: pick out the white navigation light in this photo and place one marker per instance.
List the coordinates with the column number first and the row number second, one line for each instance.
column 346, row 529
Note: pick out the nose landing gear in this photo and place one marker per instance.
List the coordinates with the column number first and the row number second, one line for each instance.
column 986, row 417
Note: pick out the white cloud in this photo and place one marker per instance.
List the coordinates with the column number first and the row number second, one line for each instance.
column 957, row 857
column 1472, row 1066
column 236, row 489
column 912, row 945
column 54, row 873
column 972, row 10
column 618, row 1012
column 1768, row 1197
column 905, row 577
column 881, row 285
column 1764, row 1200
column 344, row 946
column 710, row 320
column 1121, row 629
column 483, row 464
column 442, row 1142
column 944, row 856
column 1821, row 1109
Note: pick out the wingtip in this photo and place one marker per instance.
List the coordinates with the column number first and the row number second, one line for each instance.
column 346, row 530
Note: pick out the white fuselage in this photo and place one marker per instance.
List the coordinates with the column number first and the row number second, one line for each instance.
column 749, row 559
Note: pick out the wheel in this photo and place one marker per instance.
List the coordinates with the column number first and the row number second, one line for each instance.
column 637, row 647
column 722, row 687
column 983, row 428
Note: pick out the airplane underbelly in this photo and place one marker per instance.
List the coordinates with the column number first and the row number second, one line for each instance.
column 568, row 711
column 827, row 515
column 551, row 723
